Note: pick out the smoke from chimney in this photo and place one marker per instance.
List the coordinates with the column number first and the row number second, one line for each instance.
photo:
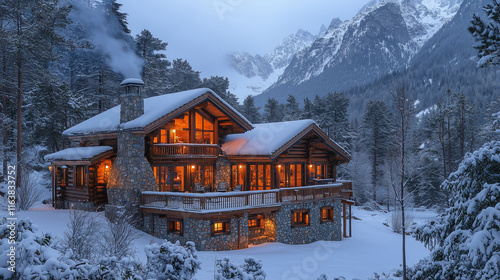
column 106, row 34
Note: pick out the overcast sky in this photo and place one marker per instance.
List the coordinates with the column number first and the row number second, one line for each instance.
column 203, row 31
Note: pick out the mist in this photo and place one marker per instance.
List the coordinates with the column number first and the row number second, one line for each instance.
column 105, row 33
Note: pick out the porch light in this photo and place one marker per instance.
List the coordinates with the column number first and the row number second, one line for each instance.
column 107, row 166
column 50, row 168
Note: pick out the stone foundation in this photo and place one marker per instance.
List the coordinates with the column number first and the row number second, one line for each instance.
column 276, row 227
column 315, row 231
column 200, row 232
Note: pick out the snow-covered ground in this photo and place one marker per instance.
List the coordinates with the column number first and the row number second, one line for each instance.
column 374, row 247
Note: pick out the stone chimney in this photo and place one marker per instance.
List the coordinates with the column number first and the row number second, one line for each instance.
column 131, row 172
column 131, row 102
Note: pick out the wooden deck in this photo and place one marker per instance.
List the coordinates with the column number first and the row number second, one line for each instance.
column 183, row 150
column 230, row 201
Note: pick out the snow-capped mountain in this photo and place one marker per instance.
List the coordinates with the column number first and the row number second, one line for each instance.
column 380, row 39
column 254, row 73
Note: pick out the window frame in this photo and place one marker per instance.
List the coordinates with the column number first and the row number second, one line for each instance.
column 330, row 217
column 226, row 227
column 258, row 219
column 171, row 229
column 305, row 218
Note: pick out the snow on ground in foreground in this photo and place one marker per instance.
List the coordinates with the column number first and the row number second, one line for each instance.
column 373, row 248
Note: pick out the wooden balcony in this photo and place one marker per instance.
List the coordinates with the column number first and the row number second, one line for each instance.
column 183, row 150
column 153, row 202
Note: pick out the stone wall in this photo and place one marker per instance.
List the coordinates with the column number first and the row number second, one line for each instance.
column 267, row 233
column 223, row 171
column 131, row 173
column 330, row 231
column 200, row 232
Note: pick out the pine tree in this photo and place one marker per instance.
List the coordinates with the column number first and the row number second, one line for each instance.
column 464, row 241
column 249, row 110
column 307, row 113
column 293, row 111
column 273, row 111
column 377, row 139
column 155, row 63
column 32, row 38
column 487, row 35
column 182, row 77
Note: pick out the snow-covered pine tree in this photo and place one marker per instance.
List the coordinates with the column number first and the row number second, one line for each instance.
column 249, row 110
column 465, row 241
column 273, row 111
column 155, row 63
column 376, row 139
column 181, row 76
column 293, row 111
column 307, row 113
column 487, row 35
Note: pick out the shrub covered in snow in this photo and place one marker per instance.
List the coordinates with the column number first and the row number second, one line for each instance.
column 466, row 239
column 250, row 270
column 172, row 261
column 36, row 255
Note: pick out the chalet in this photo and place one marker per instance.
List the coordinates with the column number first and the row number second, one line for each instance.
column 193, row 168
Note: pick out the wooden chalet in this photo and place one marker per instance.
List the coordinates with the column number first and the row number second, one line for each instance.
column 198, row 170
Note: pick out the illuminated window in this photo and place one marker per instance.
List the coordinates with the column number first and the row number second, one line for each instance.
column 327, row 214
column 300, row 217
column 220, row 227
column 204, row 130
column 254, row 223
column 175, row 226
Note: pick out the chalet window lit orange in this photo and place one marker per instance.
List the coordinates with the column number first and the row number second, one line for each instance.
column 220, row 227
column 175, row 226
column 327, row 214
column 300, row 217
column 253, row 223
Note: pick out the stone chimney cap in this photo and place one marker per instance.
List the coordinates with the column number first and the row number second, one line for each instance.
column 132, row 82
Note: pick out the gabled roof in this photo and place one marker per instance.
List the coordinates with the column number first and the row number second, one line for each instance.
column 163, row 107
column 272, row 139
column 80, row 154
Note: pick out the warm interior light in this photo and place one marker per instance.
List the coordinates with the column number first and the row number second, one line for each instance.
column 279, row 166
column 50, row 168
column 107, row 166
column 310, row 165
column 192, row 166
column 240, row 166
column 173, row 131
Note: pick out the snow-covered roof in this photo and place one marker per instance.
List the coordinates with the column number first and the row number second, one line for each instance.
column 79, row 153
column 264, row 139
column 154, row 108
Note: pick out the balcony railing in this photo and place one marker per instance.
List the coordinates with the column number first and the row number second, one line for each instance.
column 183, row 150
column 241, row 199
